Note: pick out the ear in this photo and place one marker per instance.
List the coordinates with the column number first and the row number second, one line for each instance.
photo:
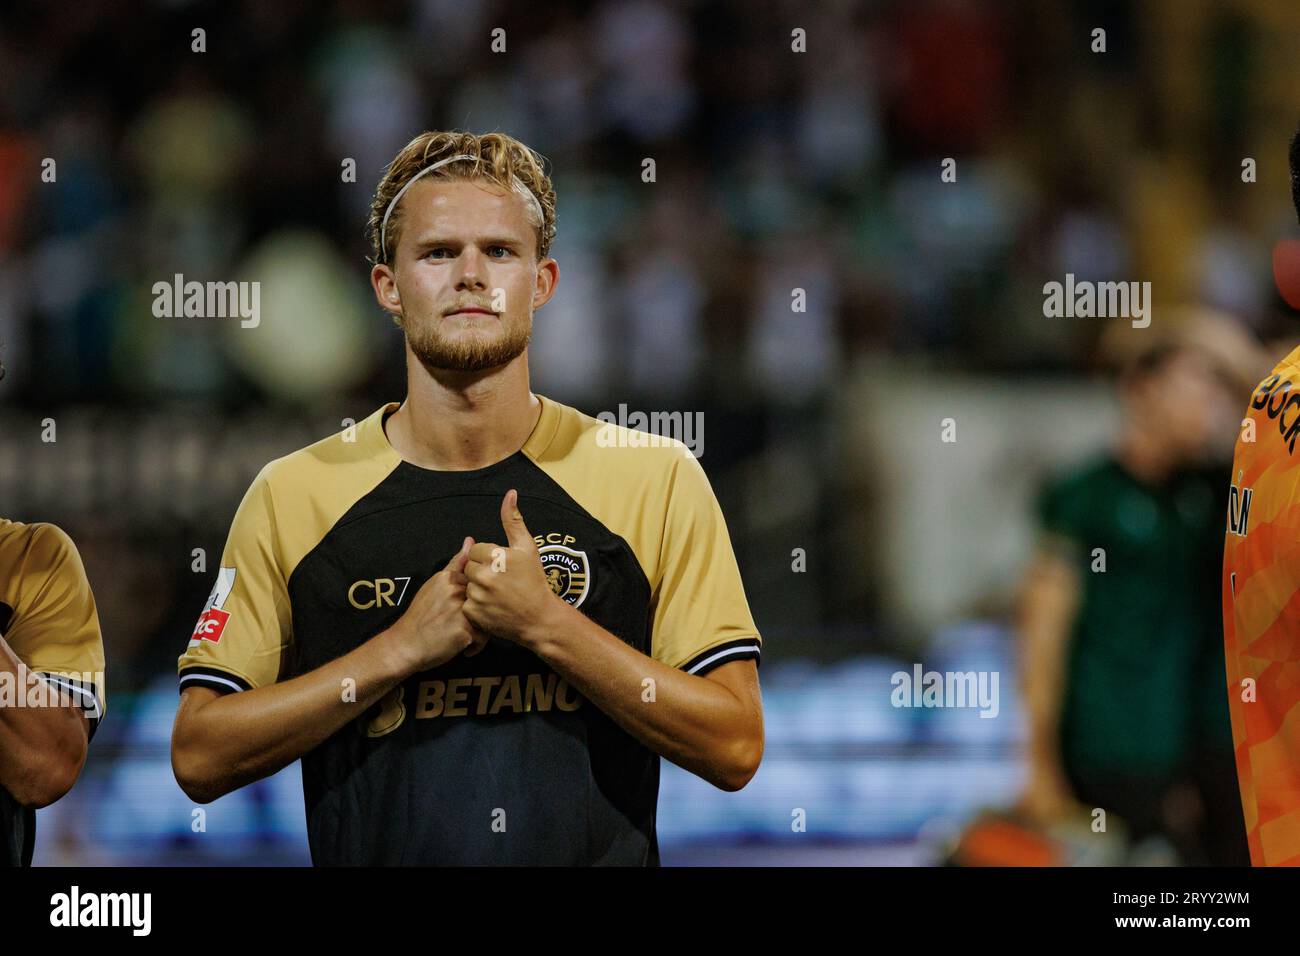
column 548, row 276
column 384, row 283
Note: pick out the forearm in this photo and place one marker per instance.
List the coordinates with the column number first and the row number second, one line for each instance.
column 697, row 723
column 42, row 742
column 1043, row 746
column 1041, row 684
column 1047, row 614
column 237, row 738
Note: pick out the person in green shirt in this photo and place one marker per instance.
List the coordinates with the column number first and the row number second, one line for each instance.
column 1122, row 654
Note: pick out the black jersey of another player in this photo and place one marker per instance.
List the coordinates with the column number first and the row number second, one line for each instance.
column 492, row 758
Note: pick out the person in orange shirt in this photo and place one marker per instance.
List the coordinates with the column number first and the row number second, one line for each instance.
column 1261, row 614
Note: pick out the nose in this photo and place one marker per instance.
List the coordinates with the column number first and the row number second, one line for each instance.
column 470, row 266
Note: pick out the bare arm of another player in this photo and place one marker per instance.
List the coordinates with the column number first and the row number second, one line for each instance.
column 1048, row 605
column 42, row 749
column 221, row 742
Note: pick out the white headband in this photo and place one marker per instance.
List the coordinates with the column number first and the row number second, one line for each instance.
column 383, row 226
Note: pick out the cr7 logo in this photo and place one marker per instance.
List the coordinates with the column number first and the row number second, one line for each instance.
column 381, row 592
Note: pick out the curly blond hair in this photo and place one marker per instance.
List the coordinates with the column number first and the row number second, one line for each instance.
column 499, row 158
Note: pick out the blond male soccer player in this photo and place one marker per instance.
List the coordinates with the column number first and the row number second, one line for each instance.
column 479, row 617
column 51, row 677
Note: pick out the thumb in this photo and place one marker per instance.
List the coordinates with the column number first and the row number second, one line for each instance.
column 517, row 535
column 461, row 557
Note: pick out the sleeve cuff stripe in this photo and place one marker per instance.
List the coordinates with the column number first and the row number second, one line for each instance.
column 86, row 692
column 737, row 650
column 220, row 681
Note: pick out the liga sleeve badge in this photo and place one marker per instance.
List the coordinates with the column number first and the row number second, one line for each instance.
column 214, row 617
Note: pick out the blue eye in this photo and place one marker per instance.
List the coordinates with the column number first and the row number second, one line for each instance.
column 502, row 248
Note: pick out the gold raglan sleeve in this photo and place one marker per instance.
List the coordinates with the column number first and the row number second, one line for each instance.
column 55, row 630
column 701, row 618
column 245, row 629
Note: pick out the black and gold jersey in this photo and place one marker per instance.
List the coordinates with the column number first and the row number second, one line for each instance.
column 492, row 758
column 48, row 619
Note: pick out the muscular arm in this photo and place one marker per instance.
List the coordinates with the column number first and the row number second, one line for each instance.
column 711, row 725
column 42, row 749
column 221, row 742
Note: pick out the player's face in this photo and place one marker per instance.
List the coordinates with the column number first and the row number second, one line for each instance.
column 466, row 245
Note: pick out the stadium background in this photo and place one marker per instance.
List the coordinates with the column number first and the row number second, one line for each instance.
column 775, row 170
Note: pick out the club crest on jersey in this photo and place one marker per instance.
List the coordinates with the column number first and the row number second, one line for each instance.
column 213, row 619
column 567, row 571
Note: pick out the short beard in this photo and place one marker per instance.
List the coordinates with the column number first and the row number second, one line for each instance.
column 435, row 352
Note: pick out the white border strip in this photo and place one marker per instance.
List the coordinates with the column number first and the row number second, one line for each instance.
column 728, row 652
column 58, row 680
column 211, row 677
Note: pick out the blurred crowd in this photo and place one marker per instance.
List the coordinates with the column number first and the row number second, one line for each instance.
column 224, row 154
